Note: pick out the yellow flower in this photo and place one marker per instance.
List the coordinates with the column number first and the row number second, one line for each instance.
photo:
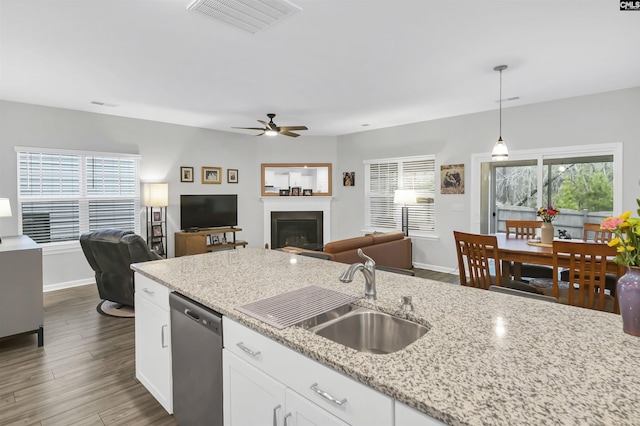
column 630, row 248
column 625, row 215
column 620, row 249
column 614, row 242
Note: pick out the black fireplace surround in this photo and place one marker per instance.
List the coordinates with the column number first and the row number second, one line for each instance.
column 297, row 229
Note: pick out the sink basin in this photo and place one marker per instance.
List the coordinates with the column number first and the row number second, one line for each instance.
column 366, row 330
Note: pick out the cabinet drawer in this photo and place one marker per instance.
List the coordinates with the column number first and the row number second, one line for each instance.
column 152, row 291
column 363, row 405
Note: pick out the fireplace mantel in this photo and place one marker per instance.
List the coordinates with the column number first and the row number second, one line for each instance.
column 297, row 204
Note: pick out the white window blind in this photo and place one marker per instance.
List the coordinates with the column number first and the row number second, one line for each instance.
column 383, row 177
column 63, row 194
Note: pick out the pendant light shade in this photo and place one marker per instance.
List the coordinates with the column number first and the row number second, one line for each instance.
column 500, row 151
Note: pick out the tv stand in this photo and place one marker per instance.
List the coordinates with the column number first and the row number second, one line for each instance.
column 206, row 240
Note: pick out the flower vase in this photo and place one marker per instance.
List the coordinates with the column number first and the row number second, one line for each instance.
column 628, row 292
column 546, row 233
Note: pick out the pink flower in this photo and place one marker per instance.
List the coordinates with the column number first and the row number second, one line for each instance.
column 611, row 223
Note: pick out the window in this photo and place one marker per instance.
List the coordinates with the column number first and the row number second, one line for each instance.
column 383, row 177
column 62, row 194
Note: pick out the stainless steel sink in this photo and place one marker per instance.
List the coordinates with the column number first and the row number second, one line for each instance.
column 366, row 330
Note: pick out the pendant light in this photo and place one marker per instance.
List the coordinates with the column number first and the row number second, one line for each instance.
column 500, row 151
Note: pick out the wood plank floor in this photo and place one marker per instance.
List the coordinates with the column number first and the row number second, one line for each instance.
column 84, row 374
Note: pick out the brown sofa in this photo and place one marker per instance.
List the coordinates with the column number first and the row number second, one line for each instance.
column 391, row 249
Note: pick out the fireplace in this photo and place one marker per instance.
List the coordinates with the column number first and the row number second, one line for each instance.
column 317, row 204
column 297, row 229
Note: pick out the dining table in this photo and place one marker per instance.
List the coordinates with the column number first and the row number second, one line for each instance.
column 521, row 250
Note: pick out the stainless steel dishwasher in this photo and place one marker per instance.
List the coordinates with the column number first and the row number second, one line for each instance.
column 196, row 350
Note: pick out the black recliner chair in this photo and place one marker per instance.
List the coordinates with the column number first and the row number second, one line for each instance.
column 110, row 252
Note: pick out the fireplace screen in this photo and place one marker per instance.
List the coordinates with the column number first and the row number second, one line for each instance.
column 297, row 229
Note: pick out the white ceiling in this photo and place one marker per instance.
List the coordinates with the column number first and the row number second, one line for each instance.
column 334, row 66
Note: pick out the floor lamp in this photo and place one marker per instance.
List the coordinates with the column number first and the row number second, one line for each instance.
column 404, row 197
column 156, row 195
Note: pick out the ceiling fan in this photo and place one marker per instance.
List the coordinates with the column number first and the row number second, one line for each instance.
column 270, row 128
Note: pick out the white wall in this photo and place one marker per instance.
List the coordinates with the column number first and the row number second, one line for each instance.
column 163, row 148
column 596, row 119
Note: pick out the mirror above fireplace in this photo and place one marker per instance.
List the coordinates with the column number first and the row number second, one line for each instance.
column 296, row 179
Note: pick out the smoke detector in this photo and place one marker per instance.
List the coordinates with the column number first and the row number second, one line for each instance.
column 249, row 15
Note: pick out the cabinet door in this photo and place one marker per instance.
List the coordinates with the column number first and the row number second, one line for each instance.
column 250, row 396
column 302, row 412
column 407, row 416
column 153, row 351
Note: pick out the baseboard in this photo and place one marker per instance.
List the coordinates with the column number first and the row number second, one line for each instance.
column 436, row 268
column 68, row 284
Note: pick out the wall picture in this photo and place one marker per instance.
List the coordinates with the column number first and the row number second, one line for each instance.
column 452, row 179
column 232, row 175
column 186, row 174
column 349, row 178
column 211, row 175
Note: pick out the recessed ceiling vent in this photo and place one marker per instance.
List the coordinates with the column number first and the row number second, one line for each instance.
column 249, row 15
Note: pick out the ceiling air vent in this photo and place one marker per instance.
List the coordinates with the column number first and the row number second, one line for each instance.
column 249, row 15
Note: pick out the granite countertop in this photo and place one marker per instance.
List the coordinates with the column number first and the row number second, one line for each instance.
column 488, row 358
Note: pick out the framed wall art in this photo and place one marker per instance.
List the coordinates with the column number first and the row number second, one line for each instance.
column 452, row 179
column 232, row 175
column 349, row 178
column 186, row 174
column 211, row 175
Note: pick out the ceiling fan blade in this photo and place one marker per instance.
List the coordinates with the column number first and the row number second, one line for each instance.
column 286, row 128
column 288, row 133
column 260, row 134
column 264, row 123
column 248, row 128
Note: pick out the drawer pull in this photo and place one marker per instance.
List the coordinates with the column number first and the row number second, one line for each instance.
column 149, row 292
column 314, row 387
column 286, row 419
column 275, row 416
column 162, row 335
column 247, row 350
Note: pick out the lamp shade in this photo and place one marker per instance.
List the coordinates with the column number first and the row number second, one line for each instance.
column 156, row 194
column 404, row 196
column 5, row 207
column 500, row 151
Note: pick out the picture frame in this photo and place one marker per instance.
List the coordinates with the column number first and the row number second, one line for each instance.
column 186, row 174
column 348, row 178
column 296, row 191
column 307, row 192
column 452, row 179
column 158, row 247
column 211, row 175
column 283, row 192
column 232, row 175
column 157, row 216
column 215, row 240
column 156, row 230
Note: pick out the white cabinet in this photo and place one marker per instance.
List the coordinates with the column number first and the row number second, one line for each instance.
column 153, row 340
column 329, row 393
column 407, row 416
column 251, row 397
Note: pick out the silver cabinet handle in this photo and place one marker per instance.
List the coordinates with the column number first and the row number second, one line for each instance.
column 314, row 387
column 275, row 416
column 146, row 290
column 247, row 350
column 162, row 335
column 286, row 419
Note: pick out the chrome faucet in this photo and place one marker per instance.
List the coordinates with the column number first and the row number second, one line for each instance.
column 369, row 271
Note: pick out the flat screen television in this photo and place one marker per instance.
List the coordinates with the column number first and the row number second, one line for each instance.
column 208, row 211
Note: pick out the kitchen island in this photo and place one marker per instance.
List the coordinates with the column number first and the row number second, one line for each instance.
column 488, row 358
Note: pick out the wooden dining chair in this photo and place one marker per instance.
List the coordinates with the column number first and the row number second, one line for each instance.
column 527, row 229
column 599, row 235
column 475, row 254
column 587, row 273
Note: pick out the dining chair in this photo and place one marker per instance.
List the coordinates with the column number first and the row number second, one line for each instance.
column 587, row 273
column 476, row 253
column 520, row 293
column 527, row 229
column 599, row 235
column 592, row 232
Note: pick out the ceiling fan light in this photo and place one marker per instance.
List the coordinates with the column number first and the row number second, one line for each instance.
column 500, row 151
column 270, row 132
